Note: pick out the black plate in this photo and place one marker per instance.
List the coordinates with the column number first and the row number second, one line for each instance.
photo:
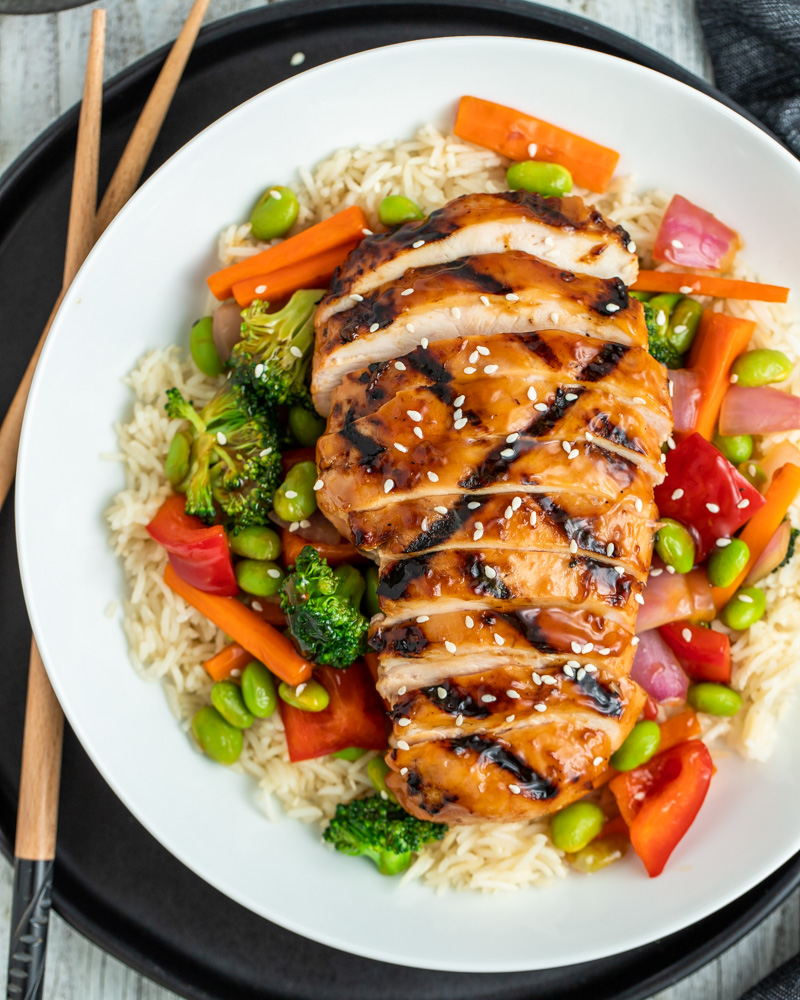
column 114, row 882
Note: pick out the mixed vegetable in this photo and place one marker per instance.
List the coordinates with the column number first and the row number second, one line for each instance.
column 249, row 549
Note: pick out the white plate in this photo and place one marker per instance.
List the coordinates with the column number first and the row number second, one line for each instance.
column 141, row 287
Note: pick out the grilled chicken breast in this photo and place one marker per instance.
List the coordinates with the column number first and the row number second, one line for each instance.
column 493, row 442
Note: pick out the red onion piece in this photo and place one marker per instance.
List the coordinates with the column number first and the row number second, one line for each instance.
column 686, row 396
column 776, row 457
column 227, row 328
column 656, row 669
column 319, row 528
column 691, row 237
column 772, row 556
column 672, row 597
column 761, row 410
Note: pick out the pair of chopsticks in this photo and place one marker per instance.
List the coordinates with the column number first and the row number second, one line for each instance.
column 37, row 815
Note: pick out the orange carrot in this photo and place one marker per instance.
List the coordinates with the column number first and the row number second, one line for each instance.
column 314, row 272
column 763, row 524
column 346, row 226
column 513, row 134
column 261, row 640
column 335, row 555
column 704, row 284
column 678, row 729
column 229, row 658
column 720, row 340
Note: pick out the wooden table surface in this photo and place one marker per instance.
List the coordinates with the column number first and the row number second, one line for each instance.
column 41, row 70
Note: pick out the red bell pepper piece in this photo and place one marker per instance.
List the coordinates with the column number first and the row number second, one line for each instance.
column 353, row 718
column 700, row 475
column 704, row 654
column 200, row 555
column 660, row 800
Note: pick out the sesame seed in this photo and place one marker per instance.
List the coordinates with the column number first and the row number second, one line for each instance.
column 687, row 634
column 469, row 622
column 274, row 574
column 589, row 436
column 459, row 413
column 631, row 247
column 433, row 477
column 712, row 508
column 516, row 503
column 421, row 619
column 414, row 415
column 410, row 327
column 610, row 549
column 681, row 328
column 553, row 317
column 511, row 693
column 549, row 241
column 418, row 432
column 477, row 535
column 540, row 708
column 400, row 366
column 677, row 244
column 424, row 343
column 485, row 300
column 318, row 485
column 510, row 718
column 507, row 453
column 509, row 512
column 300, row 688
column 573, row 454
column 639, row 401
column 356, row 297
column 460, row 720
column 677, row 494
column 575, row 646
column 604, row 651
column 571, row 397
column 597, row 761
column 491, row 573
column 612, row 307
column 459, row 400
column 536, row 678
column 388, row 486
column 305, row 523
column 483, row 351
column 402, row 745
column 372, row 329
column 661, row 317
column 734, row 378
column 532, row 518
column 512, row 297
column 417, row 244
column 260, row 289
column 671, row 443
column 670, row 570
column 473, row 357
column 580, row 674
column 297, row 353
column 424, row 524
column 297, row 60
column 566, row 446
column 723, row 542
column 290, row 494
column 473, row 505
column 619, row 571
column 663, row 459
column 256, row 606
column 638, row 598
column 573, row 546
column 745, row 598
column 549, row 680
column 639, row 505
column 499, row 639
column 487, row 699
column 404, row 770
column 514, row 789
column 531, row 394
column 512, row 438
column 449, row 646
column 490, row 369
column 590, row 668
column 402, row 690
column 442, row 692
column 743, row 503
column 461, row 423
column 541, row 407
column 440, row 510
column 568, row 670
column 258, row 371
column 221, row 439
column 656, row 572
column 635, row 640
column 294, row 526
column 588, row 647
column 400, row 447
column 407, row 291
column 532, row 149
column 751, row 469
column 470, row 371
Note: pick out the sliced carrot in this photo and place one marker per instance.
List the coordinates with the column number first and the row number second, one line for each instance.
column 335, row 555
column 763, row 524
column 678, row 729
column 346, row 226
column 720, row 340
column 229, row 658
column 705, row 284
column 513, row 134
column 314, row 272
column 261, row 640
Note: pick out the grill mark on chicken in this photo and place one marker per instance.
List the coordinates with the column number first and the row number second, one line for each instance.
column 617, row 297
column 541, row 349
column 368, row 447
column 456, row 700
column 530, row 783
column 605, row 701
column 440, row 378
column 602, row 364
column 407, row 641
column 545, row 423
column 446, row 525
column 602, row 425
column 485, row 586
column 604, row 578
column 526, row 622
column 575, row 529
column 395, row 580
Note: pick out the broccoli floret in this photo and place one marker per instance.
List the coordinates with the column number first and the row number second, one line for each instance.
column 234, row 461
column 790, row 550
column 657, row 343
column 272, row 359
column 380, row 829
column 321, row 606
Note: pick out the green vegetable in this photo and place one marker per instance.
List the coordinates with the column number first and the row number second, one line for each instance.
column 761, row 367
column 379, row 829
column 308, row 697
column 228, row 701
column 176, row 466
column 275, row 213
column 349, row 753
column 576, row 825
column 394, row 210
column 305, row 425
column 657, row 343
column 371, row 603
column 641, row 744
column 218, row 738
column 641, row 296
column 599, row 853
column 726, row 563
column 322, row 608
column 295, row 499
column 258, row 690
column 235, row 461
column 753, row 473
column 675, row 545
column 790, row 550
column 203, row 348
column 377, row 769
column 683, row 324
column 257, row 542
column 714, row 699
column 548, row 179
column 737, row 448
column 744, row 609
column 262, row 579
column 273, row 357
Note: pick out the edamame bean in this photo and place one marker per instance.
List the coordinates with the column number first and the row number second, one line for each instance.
column 371, row 603
column 394, row 210
column 662, row 306
column 754, row 474
column 548, row 179
column 600, row 853
column 275, row 213
column 377, row 769
column 641, row 744
column 295, row 499
column 308, row 697
column 761, row 367
column 675, row 545
column 726, row 563
column 258, row 690
column 683, row 324
column 634, row 293
column 218, row 738
column 349, row 753
column 261, row 579
column 256, row 542
column 204, row 351
column 737, row 448
column 714, row 699
column 576, row 825
column 228, row 701
column 744, row 609
column 305, row 425
column 176, row 466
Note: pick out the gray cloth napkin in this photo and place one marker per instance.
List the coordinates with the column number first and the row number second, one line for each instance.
column 755, row 49
column 782, row 984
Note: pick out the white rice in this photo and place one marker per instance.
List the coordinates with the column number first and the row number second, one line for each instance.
column 170, row 641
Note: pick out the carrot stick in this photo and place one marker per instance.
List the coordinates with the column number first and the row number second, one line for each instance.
column 335, row 555
column 229, row 658
column 720, row 340
column 261, row 640
column 763, row 524
column 678, row 729
column 704, row 284
column 346, row 226
column 514, row 134
column 315, row 272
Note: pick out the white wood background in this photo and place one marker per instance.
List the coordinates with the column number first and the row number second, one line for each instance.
column 41, row 70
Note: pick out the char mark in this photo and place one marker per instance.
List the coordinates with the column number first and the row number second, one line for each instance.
column 603, row 363
column 475, row 568
column 394, row 581
column 368, row 448
column 606, row 701
column 545, row 422
column 456, row 701
column 604, row 579
column 578, row 529
column 615, row 299
column 444, row 527
column 432, row 806
column 407, row 641
column 539, row 347
column 534, row 785
column 602, row 425
column 525, row 622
